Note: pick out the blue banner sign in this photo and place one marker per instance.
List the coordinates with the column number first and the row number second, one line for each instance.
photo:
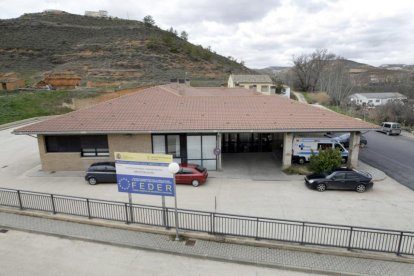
column 144, row 174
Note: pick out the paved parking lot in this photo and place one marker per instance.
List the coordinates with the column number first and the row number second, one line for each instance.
column 388, row 205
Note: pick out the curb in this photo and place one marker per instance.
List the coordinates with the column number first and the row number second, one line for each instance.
column 215, row 238
column 382, row 176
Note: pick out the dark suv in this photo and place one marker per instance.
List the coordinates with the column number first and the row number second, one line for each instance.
column 344, row 140
column 101, row 172
column 340, row 179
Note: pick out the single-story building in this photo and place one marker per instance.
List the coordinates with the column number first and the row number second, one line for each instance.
column 60, row 80
column 260, row 83
column 376, row 99
column 100, row 13
column 195, row 125
column 10, row 82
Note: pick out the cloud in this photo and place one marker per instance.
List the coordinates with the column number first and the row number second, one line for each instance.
column 228, row 12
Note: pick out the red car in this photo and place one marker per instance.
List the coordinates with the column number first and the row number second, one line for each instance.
column 191, row 174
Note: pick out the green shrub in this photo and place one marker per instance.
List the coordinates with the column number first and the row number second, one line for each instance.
column 326, row 160
column 308, row 98
column 297, row 169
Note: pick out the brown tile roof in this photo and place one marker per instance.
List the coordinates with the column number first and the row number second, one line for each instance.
column 251, row 79
column 170, row 108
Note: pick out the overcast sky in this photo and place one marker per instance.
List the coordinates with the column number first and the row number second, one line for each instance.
column 267, row 32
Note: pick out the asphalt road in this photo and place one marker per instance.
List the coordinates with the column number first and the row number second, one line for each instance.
column 394, row 155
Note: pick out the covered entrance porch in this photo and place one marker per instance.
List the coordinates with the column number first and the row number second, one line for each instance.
column 249, row 142
column 264, row 166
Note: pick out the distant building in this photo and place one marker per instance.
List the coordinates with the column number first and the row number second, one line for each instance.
column 100, row 13
column 10, row 82
column 376, row 99
column 357, row 70
column 60, row 80
column 53, row 11
column 261, row 83
column 181, row 81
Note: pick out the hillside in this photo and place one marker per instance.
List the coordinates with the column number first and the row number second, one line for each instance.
column 105, row 51
column 272, row 70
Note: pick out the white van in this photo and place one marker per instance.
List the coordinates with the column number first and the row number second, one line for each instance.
column 390, row 128
column 303, row 147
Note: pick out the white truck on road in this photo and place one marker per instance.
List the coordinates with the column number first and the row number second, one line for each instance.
column 303, row 147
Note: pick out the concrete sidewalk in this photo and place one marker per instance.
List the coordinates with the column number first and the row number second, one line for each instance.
column 239, row 253
column 377, row 175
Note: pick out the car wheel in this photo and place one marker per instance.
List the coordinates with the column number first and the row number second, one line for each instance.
column 92, row 181
column 343, row 160
column 321, row 187
column 302, row 161
column 360, row 188
column 388, row 133
column 195, row 183
column 362, row 145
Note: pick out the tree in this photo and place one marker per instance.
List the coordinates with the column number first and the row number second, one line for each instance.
column 336, row 81
column 394, row 111
column 279, row 86
column 184, row 35
column 325, row 161
column 308, row 68
column 149, row 21
column 174, row 32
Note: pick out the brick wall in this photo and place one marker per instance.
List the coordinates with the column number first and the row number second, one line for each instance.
column 140, row 143
column 72, row 161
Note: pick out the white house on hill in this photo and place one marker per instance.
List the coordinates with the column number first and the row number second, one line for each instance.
column 376, row 99
column 261, row 83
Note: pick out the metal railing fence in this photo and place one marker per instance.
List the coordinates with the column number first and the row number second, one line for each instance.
column 302, row 232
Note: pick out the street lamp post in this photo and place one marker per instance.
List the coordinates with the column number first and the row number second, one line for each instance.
column 174, row 168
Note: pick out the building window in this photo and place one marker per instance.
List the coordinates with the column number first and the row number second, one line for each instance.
column 87, row 145
column 62, row 143
column 167, row 144
column 197, row 149
column 158, row 144
column 377, row 101
column 200, row 150
column 194, row 147
column 264, row 88
column 173, row 146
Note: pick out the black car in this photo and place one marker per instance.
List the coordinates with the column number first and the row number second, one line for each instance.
column 344, row 140
column 340, row 179
column 101, row 172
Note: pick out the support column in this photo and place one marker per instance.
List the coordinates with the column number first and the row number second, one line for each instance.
column 287, row 150
column 354, row 141
column 219, row 166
